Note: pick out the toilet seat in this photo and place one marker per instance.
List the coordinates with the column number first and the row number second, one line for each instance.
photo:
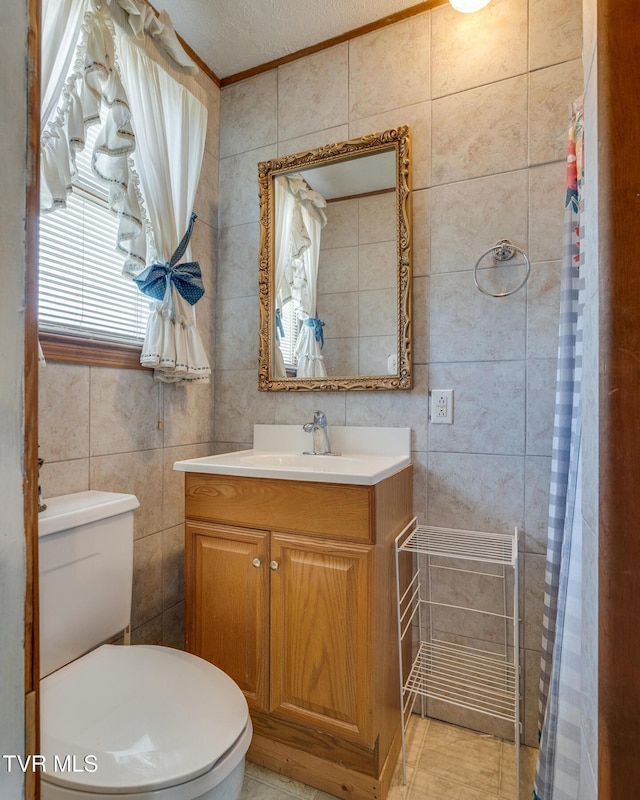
column 153, row 717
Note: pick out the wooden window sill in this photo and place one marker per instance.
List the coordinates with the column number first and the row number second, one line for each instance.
column 60, row 348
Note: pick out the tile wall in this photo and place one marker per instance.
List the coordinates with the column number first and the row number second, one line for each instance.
column 117, row 430
column 357, row 293
column 486, row 96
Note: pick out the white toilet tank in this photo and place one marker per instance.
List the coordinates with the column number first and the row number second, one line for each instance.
column 86, row 572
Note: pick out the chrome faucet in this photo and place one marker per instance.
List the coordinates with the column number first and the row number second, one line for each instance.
column 318, row 429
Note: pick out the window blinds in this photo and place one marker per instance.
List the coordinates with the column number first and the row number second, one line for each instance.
column 287, row 343
column 81, row 288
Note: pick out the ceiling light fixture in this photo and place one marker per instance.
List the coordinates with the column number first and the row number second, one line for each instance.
column 468, row 6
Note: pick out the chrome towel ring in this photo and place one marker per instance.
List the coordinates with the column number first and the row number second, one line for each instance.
column 503, row 251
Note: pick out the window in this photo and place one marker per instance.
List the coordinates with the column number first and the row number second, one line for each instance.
column 83, row 298
column 287, row 342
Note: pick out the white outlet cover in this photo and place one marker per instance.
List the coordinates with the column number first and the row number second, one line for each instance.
column 442, row 406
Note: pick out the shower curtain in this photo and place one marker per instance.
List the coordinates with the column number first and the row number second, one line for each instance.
column 558, row 769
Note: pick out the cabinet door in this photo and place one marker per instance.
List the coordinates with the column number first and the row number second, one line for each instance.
column 321, row 653
column 227, row 601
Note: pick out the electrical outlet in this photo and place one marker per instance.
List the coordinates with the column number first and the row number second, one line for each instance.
column 442, row 406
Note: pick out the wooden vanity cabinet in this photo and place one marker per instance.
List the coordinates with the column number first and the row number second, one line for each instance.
column 290, row 590
column 228, row 601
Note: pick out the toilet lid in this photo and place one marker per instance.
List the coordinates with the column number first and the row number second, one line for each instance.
column 132, row 718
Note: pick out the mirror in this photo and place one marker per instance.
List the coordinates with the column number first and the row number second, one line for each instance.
column 335, row 266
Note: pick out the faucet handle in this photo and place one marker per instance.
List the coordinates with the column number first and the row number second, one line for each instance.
column 319, row 418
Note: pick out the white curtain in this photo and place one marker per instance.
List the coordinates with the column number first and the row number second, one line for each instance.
column 61, row 22
column 60, row 31
column 300, row 218
column 81, row 86
column 172, row 123
column 284, row 202
column 308, row 220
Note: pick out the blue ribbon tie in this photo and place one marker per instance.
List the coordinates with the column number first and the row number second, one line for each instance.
column 279, row 325
column 317, row 324
column 187, row 277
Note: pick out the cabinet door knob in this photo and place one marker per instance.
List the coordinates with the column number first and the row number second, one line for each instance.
column 257, row 562
column 274, row 565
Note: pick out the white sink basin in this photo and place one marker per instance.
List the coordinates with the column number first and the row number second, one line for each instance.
column 278, row 454
column 301, row 461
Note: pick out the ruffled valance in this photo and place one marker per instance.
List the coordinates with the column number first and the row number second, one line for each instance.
column 314, row 203
column 93, row 94
column 141, row 20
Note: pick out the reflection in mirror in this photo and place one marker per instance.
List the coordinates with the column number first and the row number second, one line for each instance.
column 335, row 282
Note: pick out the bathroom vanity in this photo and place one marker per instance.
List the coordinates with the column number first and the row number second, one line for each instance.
column 289, row 589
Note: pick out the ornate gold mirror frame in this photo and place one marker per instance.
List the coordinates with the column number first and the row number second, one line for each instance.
column 396, row 141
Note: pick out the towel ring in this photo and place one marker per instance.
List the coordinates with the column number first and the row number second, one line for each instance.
column 503, row 251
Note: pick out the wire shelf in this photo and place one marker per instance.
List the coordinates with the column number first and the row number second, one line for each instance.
column 494, row 548
column 481, row 680
column 466, row 677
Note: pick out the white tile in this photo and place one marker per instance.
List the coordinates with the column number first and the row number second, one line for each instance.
column 125, row 411
column 488, row 407
column 238, row 199
column 394, row 408
column 312, row 93
column 543, row 309
column 377, row 312
column 205, row 204
column 64, row 477
column 188, row 415
column 547, row 193
column 470, row 50
column 138, row 473
column 248, row 114
column 480, row 131
column 379, row 77
column 341, row 229
column 469, row 217
column 418, row 118
column 313, row 141
column 378, row 265
column 555, row 31
column 238, row 405
column 173, row 480
column 374, row 352
column 63, row 406
column 238, row 261
column 377, row 218
column 541, row 384
column 476, row 492
column 237, row 321
column 551, row 91
column 534, row 571
column 146, row 601
column 465, row 325
column 338, row 270
column 537, row 473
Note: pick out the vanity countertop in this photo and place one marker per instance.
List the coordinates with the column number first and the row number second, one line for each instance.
column 366, row 456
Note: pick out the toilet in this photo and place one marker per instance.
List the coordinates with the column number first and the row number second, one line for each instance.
column 122, row 722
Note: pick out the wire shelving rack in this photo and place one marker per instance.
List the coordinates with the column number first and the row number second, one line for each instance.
column 481, row 678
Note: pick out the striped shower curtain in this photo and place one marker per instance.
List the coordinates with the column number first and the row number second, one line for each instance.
column 558, row 769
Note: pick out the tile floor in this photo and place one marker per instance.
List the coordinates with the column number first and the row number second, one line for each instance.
column 444, row 762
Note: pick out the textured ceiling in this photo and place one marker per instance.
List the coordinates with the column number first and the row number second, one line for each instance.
column 231, row 36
